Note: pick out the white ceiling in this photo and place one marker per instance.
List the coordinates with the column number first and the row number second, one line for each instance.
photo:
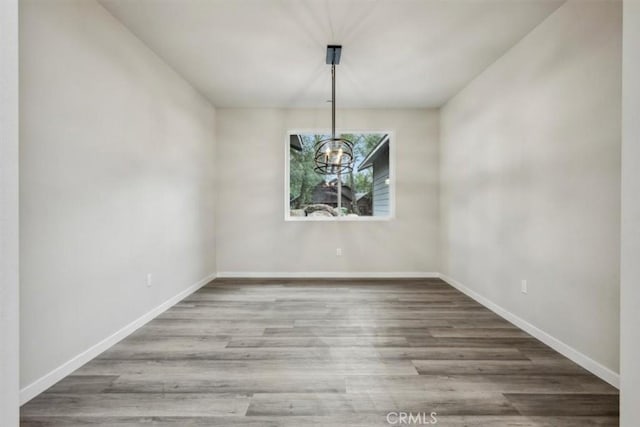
column 271, row 53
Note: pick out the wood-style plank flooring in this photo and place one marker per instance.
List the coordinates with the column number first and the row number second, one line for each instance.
column 301, row 353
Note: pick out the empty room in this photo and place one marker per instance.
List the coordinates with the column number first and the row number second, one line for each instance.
column 320, row 213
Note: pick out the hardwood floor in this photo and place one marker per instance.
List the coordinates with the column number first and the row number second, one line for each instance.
column 300, row 353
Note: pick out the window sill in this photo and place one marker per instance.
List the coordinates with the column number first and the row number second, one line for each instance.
column 338, row 218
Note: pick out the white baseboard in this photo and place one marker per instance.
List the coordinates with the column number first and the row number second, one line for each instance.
column 46, row 381
column 566, row 350
column 327, row 275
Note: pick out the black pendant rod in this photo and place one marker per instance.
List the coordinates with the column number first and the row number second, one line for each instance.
column 333, row 101
column 334, row 52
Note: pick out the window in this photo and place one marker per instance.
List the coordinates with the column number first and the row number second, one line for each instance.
column 366, row 192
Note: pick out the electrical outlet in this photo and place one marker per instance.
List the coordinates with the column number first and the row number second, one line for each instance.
column 523, row 287
column 149, row 280
column 338, row 251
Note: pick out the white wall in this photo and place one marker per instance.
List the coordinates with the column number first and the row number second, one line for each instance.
column 9, row 362
column 250, row 205
column 116, row 174
column 531, row 181
column 630, row 272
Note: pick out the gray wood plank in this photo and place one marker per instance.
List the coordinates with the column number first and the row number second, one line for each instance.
column 139, row 404
column 248, row 368
column 565, row 404
column 496, row 367
column 313, row 341
column 276, row 404
column 503, row 383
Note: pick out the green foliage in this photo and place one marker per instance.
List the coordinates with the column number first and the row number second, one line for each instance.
column 362, row 146
column 303, row 178
column 363, row 182
column 363, row 143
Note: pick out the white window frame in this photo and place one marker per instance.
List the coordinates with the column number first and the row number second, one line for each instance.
column 392, row 177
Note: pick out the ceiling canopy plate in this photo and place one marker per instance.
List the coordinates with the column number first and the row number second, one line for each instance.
column 333, row 54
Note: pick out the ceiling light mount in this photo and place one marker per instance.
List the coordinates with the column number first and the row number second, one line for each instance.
column 333, row 54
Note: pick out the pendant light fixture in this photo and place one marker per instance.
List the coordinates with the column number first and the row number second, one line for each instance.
column 334, row 156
